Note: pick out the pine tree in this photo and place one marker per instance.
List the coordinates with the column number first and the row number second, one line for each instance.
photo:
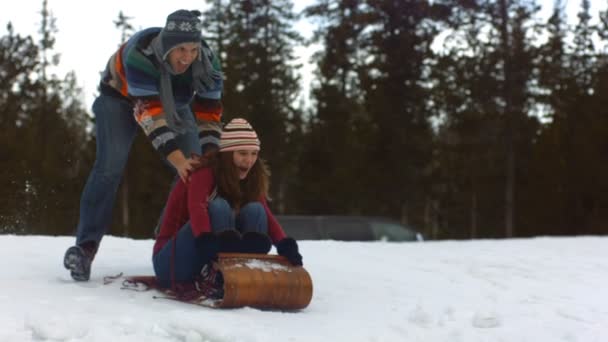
column 546, row 203
column 398, row 45
column 598, row 218
column 18, row 62
column 463, row 99
column 126, row 29
column 255, row 39
column 42, row 113
column 333, row 156
column 57, row 116
column 577, row 144
column 484, row 100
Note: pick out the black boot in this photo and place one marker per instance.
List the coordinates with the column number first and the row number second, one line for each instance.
column 78, row 260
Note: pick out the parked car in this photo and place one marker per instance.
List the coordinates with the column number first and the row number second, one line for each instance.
column 346, row 228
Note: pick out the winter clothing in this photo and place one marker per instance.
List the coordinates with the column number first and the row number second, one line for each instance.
column 175, row 111
column 115, row 131
column 134, row 73
column 183, row 257
column 252, row 216
column 208, row 245
column 78, row 260
column 288, row 248
column 255, row 242
column 191, row 202
column 182, row 27
column 237, row 135
column 206, row 213
column 230, row 240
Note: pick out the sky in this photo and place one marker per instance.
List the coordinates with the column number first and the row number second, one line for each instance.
column 87, row 35
column 524, row 290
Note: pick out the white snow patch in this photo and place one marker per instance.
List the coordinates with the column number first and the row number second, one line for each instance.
column 263, row 265
column 486, row 319
column 528, row 290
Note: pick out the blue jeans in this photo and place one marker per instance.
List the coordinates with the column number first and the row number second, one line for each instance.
column 188, row 261
column 115, row 129
column 251, row 217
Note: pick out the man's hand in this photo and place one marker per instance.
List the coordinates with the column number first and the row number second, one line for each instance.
column 182, row 165
column 204, row 160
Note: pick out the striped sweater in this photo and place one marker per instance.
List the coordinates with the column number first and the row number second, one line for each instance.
column 132, row 73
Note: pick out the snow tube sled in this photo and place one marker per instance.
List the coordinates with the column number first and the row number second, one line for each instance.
column 262, row 281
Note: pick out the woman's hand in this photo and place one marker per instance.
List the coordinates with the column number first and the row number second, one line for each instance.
column 288, row 247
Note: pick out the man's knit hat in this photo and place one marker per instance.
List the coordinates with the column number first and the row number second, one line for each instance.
column 239, row 135
column 182, row 26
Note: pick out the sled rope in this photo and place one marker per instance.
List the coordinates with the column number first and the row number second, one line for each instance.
column 110, row 279
column 135, row 285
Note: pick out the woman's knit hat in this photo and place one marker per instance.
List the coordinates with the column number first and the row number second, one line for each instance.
column 239, row 135
column 183, row 26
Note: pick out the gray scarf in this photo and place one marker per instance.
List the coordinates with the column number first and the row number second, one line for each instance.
column 204, row 77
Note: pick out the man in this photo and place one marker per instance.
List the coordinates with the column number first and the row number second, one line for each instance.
column 167, row 81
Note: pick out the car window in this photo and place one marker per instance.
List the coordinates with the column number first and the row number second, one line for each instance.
column 300, row 228
column 392, row 232
column 345, row 229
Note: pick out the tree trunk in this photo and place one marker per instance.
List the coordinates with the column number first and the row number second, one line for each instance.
column 508, row 114
column 474, row 215
column 124, row 195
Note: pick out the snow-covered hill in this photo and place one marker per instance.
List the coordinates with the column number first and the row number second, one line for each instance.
column 543, row 289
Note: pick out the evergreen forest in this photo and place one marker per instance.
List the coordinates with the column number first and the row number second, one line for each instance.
column 461, row 118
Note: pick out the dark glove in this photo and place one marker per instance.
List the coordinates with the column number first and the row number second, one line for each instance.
column 288, row 247
column 230, row 241
column 207, row 245
column 256, row 242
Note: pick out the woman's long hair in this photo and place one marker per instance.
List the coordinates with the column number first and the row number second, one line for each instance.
column 236, row 191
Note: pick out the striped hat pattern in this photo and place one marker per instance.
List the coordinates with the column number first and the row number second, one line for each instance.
column 239, row 135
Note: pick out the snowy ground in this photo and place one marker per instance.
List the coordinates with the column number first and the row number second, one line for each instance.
column 543, row 289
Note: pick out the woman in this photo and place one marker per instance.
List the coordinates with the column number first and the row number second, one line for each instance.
column 225, row 204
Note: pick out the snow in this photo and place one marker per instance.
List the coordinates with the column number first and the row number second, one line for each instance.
column 540, row 289
column 262, row 265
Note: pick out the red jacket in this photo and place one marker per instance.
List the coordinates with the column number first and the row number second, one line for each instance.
column 190, row 202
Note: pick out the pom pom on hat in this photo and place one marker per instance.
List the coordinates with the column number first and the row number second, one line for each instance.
column 239, row 135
